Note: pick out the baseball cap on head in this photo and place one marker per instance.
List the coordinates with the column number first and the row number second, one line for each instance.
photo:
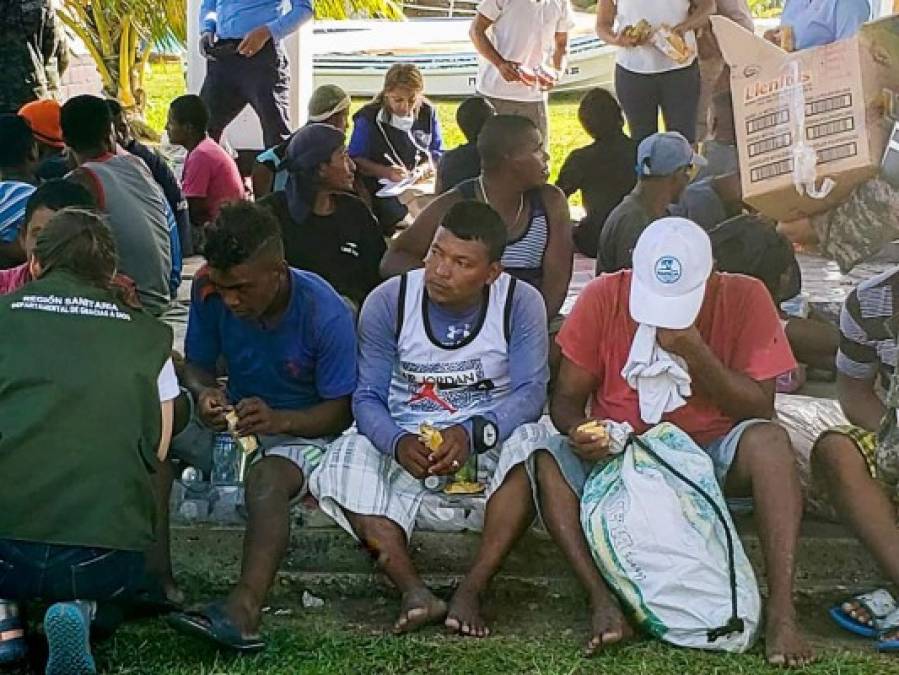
column 672, row 264
column 665, row 153
column 43, row 117
column 327, row 100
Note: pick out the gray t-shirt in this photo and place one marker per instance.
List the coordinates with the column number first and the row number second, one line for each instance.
column 620, row 234
column 138, row 217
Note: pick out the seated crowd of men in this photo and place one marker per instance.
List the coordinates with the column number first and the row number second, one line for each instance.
column 463, row 334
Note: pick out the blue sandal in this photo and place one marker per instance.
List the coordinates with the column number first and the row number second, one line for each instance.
column 879, row 605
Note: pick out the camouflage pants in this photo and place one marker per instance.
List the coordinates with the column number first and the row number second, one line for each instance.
column 859, row 227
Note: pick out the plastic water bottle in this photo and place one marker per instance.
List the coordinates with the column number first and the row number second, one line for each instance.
column 224, row 460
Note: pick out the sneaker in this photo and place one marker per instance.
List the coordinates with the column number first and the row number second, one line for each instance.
column 13, row 647
column 67, row 626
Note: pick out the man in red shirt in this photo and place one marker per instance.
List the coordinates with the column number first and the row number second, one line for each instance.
column 726, row 331
column 210, row 178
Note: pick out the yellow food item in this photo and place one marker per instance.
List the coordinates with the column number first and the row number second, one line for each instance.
column 640, row 31
column 430, row 436
column 464, row 488
column 247, row 444
column 672, row 44
column 594, row 427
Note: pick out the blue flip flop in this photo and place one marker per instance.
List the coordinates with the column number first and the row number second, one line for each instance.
column 67, row 627
column 212, row 623
column 879, row 604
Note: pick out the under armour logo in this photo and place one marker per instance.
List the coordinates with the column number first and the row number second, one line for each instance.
column 453, row 333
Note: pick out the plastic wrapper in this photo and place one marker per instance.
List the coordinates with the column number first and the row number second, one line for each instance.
column 671, row 44
column 805, row 157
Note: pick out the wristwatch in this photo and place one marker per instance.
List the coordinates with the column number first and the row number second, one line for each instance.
column 485, row 434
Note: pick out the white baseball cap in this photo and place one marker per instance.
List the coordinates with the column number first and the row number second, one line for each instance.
column 672, row 263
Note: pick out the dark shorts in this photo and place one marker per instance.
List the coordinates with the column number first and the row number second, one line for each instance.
column 32, row 571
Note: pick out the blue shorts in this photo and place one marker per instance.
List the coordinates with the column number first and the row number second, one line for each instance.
column 576, row 470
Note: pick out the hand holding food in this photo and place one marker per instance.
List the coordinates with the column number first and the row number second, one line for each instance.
column 247, row 444
column 637, row 34
column 590, row 440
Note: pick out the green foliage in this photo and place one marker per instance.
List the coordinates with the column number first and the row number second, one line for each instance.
column 358, row 9
column 766, row 8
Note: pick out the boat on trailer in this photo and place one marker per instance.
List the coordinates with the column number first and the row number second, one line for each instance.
column 355, row 55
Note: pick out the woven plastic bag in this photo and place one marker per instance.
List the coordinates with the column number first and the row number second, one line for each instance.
column 662, row 537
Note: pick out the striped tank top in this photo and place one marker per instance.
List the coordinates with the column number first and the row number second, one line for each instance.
column 523, row 257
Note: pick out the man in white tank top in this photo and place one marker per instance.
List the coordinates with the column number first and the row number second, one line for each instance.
column 461, row 346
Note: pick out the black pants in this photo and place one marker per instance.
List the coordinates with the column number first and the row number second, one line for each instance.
column 262, row 81
column 49, row 573
column 675, row 92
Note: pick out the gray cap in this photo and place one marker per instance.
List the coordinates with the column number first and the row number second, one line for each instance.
column 665, row 153
column 327, row 100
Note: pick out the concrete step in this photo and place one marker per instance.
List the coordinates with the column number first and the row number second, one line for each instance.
column 328, row 561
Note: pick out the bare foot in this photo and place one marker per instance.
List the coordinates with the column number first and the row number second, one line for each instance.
column 172, row 593
column 464, row 616
column 608, row 625
column 419, row 608
column 244, row 613
column 784, row 643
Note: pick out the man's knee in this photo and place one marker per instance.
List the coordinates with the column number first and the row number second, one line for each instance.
column 549, row 473
column 834, row 454
column 273, row 478
column 766, row 440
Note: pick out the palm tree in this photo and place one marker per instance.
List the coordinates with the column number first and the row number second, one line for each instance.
column 121, row 34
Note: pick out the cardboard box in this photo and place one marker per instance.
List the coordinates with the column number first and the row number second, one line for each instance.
column 841, row 99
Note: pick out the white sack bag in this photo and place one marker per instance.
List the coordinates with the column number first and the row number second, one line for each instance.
column 662, row 537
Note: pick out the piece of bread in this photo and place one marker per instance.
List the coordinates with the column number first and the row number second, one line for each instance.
column 247, row 444
column 594, row 428
column 464, row 488
column 430, row 436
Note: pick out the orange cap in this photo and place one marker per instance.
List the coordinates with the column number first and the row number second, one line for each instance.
column 43, row 116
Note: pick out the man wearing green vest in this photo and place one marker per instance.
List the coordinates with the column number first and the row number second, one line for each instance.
column 289, row 343
column 78, row 507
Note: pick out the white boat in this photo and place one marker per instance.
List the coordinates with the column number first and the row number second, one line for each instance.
column 356, row 54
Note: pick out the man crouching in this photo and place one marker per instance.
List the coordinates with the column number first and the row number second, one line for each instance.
column 461, row 346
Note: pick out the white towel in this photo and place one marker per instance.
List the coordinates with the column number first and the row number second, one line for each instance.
column 660, row 379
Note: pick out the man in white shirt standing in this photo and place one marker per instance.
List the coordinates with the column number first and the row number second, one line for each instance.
column 519, row 40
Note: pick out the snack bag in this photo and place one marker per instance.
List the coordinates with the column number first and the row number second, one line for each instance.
column 671, row 44
column 641, row 31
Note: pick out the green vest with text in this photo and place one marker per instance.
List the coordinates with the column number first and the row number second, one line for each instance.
column 79, row 415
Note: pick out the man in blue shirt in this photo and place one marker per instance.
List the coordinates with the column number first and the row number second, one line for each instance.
column 245, row 62
column 288, row 342
column 820, row 22
column 461, row 347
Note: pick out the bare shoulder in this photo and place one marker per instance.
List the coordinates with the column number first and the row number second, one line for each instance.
column 555, row 200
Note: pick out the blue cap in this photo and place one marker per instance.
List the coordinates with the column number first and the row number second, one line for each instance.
column 665, row 153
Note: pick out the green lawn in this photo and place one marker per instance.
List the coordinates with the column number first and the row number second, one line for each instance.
column 327, row 641
column 166, row 82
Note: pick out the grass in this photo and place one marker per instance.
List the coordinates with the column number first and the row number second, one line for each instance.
column 325, row 641
column 166, row 82
column 348, row 636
